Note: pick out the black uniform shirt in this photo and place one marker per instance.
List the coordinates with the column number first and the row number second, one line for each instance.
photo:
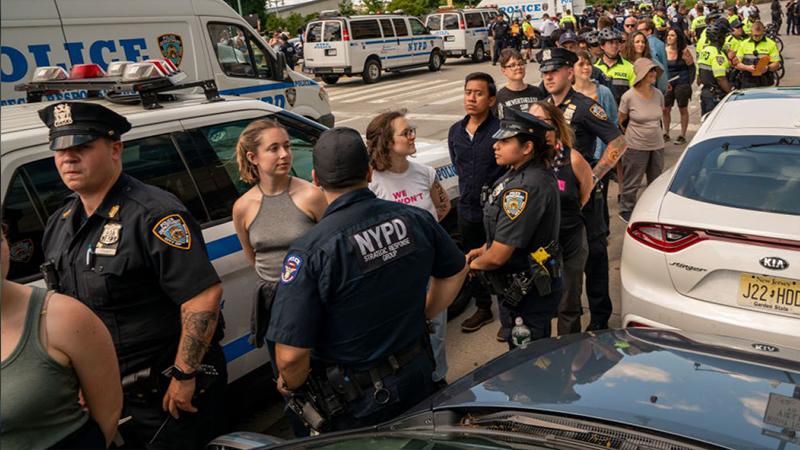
column 589, row 121
column 353, row 287
column 523, row 211
column 133, row 262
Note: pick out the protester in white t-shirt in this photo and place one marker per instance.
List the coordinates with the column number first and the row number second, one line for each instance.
column 390, row 141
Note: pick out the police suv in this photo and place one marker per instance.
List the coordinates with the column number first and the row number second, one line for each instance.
column 465, row 31
column 184, row 144
column 206, row 39
column 337, row 46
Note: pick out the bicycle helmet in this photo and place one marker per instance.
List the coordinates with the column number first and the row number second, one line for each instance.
column 592, row 38
column 716, row 32
column 607, row 34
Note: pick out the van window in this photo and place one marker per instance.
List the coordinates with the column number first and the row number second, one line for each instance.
column 238, row 52
column 155, row 160
column 314, row 32
column 365, row 29
column 417, row 28
column 333, row 31
column 474, row 20
column 400, row 27
column 435, row 22
column 386, row 26
column 450, row 22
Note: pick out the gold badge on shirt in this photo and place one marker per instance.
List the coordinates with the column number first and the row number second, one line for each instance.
column 109, row 240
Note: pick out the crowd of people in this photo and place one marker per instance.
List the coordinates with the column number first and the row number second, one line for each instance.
column 355, row 273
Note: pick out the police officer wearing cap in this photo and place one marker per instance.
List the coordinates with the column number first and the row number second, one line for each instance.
column 350, row 310
column 134, row 255
column 521, row 260
column 589, row 121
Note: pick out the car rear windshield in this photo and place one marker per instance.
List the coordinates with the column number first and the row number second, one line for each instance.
column 314, row 32
column 760, row 173
column 435, row 22
column 333, row 31
column 451, row 21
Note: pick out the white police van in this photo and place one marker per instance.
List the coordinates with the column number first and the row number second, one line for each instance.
column 205, row 38
column 187, row 147
column 465, row 31
column 337, row 46
column 519, row 9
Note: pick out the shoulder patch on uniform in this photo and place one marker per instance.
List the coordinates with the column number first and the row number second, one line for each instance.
column 514, row 202
column 598, row 112
column 291, row 265
column 173, row 231
column 720, row 60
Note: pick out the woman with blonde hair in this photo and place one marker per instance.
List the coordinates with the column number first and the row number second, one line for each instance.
column 575, row 187
column 273, row 213
column 390, row 143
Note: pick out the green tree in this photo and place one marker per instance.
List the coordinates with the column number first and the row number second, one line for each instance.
column 373, row 5
column 410, row 7
column 346, row 8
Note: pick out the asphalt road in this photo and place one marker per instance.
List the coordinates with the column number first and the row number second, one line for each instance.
column 434, row 103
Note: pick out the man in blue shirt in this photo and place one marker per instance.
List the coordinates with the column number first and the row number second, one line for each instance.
column 471, row 149
column 354, row 293
column 657, row 49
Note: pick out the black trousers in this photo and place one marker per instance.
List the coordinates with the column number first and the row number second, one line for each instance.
column 473, row 235
column 499, row 45
column 596, row 272
column 191, row 430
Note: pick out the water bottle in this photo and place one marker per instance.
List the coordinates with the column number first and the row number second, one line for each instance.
column 520, row 334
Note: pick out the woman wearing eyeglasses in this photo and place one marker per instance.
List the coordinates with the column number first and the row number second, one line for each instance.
column 390, row 141
column 517, row 93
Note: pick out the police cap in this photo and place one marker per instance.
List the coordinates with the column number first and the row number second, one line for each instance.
column 340, row 158
column 551, row 59
column 77, row 123
column 514, row 122
column 567, row 36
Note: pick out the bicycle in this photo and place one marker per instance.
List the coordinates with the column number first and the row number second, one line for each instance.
column 771, row 31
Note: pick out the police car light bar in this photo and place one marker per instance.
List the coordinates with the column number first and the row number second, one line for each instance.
column 49, row 73
column 116, row 68
column 82, row 71
column 152, row 69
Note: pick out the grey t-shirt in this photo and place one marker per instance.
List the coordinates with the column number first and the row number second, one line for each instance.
column 645, row 130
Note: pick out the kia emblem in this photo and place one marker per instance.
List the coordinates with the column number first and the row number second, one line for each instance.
column 774, row 263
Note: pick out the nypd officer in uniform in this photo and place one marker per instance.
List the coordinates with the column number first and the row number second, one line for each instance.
column 521, row 259
column 351, row 304
column 135, row 256
column 713, row 67
column 590, row 122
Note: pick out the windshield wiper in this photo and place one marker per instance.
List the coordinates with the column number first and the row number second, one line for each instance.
column 781, row 141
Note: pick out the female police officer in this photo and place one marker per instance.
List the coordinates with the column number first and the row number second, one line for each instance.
column 521, row 260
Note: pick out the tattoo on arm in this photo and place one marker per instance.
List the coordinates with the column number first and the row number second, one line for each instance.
column 198, row 329
column 440, row 199
column 610, row 158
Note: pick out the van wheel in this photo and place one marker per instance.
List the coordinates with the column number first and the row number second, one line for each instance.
column 372, row 71
column 479, row 54
column 330, row 79
column 435, row 63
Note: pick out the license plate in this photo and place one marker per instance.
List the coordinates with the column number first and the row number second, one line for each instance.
column 771, row 294
column 449, row 38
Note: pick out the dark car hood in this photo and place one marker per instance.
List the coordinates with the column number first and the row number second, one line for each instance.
column 711, row 389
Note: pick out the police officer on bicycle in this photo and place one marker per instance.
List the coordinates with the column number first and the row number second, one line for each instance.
column 521, row 261
column 348, row 321
column 713, row 67
column 135, row 256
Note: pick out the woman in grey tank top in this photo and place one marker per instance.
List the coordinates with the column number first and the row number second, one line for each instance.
column 274, row 212
column 54, row 347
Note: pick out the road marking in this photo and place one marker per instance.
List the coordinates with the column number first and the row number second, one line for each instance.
column 362, row 98
column 450, row 118
column 417, row 91
column 356, row 91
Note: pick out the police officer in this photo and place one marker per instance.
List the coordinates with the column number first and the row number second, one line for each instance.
column 135, row 256
column 748, row 53
column 351, row 303
column 521, row 214
column 618, row 70
column 713, row 66
column 589, row 121
column 499, row 31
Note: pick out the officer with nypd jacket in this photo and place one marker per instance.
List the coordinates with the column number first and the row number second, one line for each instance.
column 521, row 261
column 135, row 256
column 349, row 317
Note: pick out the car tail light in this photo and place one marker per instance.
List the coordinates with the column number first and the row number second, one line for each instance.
column 634, row 324
column 49, row 73
column 665, row 238
column 345, row 32
column 82, row 71
column 461, row 25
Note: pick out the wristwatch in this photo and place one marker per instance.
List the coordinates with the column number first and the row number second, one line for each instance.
column 174, row 371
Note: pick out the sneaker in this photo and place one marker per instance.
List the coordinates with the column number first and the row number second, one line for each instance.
column 625, row 216
column 666, row 137
column 680, row 141
column 480, row 318
column 500, row 336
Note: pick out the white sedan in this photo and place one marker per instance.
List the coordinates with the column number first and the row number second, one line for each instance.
column 713, row 245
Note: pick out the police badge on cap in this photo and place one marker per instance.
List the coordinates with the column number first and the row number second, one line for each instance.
column 551, row 59
column 76, row 123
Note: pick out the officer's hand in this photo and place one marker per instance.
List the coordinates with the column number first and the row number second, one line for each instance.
column 282, row 386
column 179, row 397
column 475, row 253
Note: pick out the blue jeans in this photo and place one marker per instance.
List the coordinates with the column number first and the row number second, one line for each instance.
column 438, row 344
